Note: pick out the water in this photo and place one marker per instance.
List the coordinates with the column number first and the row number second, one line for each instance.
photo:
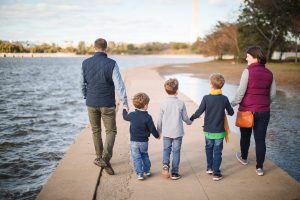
column 41, row 112
column 283, row 136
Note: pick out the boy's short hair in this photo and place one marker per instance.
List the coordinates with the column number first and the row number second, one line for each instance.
column 140, row 100
column 171, row 86
column 100, row 44
column 217, row 80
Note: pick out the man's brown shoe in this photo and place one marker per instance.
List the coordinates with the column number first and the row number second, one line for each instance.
column 100, row 162
column 109, row 169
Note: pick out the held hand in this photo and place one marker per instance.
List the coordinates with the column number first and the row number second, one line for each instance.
column 126, row 108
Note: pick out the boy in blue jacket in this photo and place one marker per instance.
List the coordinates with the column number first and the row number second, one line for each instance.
column 141, row 126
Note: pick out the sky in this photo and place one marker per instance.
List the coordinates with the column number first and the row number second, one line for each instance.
column 131, row 21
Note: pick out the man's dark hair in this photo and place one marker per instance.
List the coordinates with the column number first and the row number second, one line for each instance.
column 100, row 44
column 257, row 52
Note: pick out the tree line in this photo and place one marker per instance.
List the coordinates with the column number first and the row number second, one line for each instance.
column 113, row 48
column 272, row 24
column 18, row 47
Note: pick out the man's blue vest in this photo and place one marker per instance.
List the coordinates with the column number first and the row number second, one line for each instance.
column 97, row 72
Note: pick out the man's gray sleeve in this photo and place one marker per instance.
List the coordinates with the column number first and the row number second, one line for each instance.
column 242, row 88
column 119, row 85
column 83, row 84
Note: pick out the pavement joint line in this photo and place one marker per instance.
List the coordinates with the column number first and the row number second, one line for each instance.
column 97, row 184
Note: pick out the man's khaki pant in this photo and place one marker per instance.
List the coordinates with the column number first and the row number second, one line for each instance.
column 108, row 115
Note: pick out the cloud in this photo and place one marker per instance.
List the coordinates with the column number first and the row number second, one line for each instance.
column 224, row 3
column 218, row 3
column 119, row 20
column 22, row 10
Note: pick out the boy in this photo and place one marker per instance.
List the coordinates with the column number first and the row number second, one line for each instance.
column 141, row 125
column 214, row 106
column 172, row 113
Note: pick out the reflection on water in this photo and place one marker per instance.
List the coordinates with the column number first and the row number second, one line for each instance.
column 283, row 138
column 127, row 61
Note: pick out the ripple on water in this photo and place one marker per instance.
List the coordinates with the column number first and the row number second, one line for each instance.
column 20, row 117
column 12, row 144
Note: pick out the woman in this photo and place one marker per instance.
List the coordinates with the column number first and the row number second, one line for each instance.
column 256, row 91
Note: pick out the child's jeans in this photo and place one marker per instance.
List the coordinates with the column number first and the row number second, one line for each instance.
column 140, row 157
column 213, row 150
column 168, row 142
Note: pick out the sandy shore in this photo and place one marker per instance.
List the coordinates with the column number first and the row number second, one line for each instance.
column 287, row 75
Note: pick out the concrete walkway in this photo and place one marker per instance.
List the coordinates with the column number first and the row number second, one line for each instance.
column 76, row 177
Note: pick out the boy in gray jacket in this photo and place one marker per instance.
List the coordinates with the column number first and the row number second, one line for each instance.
column 172, row 113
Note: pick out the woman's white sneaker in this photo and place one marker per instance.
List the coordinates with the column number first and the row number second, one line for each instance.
column 240, row 159
column 260, row 171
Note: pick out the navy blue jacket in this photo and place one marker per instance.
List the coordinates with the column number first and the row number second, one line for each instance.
column 98, row 85
column 141, row 125
column 214, row 107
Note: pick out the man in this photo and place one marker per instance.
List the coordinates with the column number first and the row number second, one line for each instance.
column 101, row 76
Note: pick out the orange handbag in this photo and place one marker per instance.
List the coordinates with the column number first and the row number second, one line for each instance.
column 244, row 119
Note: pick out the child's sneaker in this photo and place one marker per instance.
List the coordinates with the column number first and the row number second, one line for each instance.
column 165, row 171
column 148, row 173
column 217, row 177
column 140, row 177
column 175, row 176
column 260, row 171
column 209, row 171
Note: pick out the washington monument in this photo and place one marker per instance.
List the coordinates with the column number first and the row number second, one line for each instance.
column 195, row 20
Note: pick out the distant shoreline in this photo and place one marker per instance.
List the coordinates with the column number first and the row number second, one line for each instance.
column 53, row 55
column 287, row 75
column 37, row 55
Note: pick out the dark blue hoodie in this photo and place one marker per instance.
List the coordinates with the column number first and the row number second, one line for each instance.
column 141, row 125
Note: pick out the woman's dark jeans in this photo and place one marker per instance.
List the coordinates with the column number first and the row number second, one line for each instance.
column 261, row 121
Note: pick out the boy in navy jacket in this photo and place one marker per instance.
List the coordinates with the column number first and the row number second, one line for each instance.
column 141, row 126
column 215, row 122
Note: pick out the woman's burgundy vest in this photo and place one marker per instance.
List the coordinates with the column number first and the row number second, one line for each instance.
column 257, row 96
